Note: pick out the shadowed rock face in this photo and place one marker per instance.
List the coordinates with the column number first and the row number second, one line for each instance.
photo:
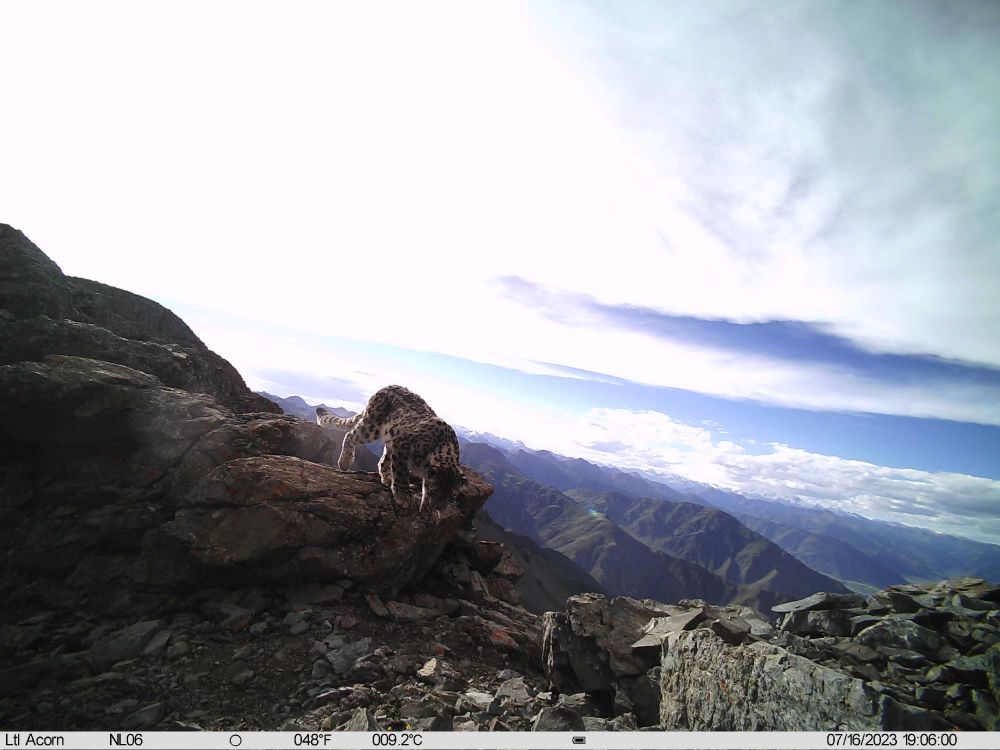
column 44, row 312
column 104, row 463
column 31, row 283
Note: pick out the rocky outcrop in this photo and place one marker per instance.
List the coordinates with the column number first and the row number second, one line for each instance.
column 43, row 312
column 279, row 519
column 110, row 474
column 906, row 658
column 610, row 648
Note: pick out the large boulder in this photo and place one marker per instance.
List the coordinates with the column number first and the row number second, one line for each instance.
column 280, row 519
column 611, row 648
column 708, row 684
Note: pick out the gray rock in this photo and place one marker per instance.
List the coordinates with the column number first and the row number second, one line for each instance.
column 860, row 622
column 590, row 643
column 514, row 690
column 820, row 601
column 733, row 631
column 579, row 703
column 146, row 717
column 441, row 674
column 434, row 724
column 962, row 601
column 900, row 633
column 707, row 684
column 342, row 659
column 897, row 715
column 823, row 622
column 659, row 628
column 126, row 643
column 557, row 719
column 975, row 671
column 475, row 700
column 362, row 720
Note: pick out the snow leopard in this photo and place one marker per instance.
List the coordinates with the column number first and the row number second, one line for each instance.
column 417, row 442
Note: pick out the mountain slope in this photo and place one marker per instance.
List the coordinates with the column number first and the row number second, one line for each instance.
column 917, row 554
column 621, row 563
column 825, row 554
column 710, row 538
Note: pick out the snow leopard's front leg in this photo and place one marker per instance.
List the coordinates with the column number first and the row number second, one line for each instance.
column 385, row 465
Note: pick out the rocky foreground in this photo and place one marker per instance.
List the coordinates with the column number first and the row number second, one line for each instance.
column 179, row 556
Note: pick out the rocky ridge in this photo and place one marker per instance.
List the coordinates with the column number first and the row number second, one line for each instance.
column 43, row 311
column 906, row 658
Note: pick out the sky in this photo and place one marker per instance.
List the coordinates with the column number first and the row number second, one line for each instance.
column 754, row 245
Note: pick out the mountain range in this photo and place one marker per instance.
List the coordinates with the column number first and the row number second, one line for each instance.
column 634, row 535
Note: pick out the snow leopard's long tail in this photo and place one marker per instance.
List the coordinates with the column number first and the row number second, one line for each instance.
column 326, row 419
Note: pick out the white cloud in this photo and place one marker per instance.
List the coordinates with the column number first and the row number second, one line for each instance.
column 367, row 175
column 652, row 441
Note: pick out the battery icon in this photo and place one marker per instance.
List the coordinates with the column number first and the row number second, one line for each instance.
column 579, row 740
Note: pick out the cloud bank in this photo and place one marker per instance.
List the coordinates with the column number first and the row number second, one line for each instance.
column 646, row 440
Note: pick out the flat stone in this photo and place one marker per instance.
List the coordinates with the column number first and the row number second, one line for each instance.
column 477, row 700
column 900, row 633
column 659, row 627
column 906, row 657
column 821, row 600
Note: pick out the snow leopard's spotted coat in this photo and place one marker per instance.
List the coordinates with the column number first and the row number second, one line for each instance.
column 416, row 440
